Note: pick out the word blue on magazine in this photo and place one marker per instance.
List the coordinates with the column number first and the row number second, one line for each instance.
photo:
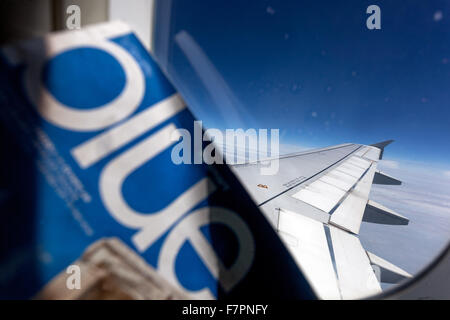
column 88, row 127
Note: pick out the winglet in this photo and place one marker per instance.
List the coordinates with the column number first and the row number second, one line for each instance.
column 381, row 145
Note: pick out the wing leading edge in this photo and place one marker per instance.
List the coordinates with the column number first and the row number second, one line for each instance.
column 317, row 202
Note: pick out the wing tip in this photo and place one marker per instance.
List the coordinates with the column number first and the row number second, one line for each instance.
column 381, row 145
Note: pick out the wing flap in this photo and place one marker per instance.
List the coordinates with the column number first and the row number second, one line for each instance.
column 355, row 274
column 320, row 195
column 349, row 214
column 306, row 240
column 328, row 190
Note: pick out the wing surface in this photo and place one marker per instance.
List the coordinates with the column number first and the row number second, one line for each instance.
column 316, row 202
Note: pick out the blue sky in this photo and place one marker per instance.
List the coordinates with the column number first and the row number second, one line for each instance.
column 313, row 70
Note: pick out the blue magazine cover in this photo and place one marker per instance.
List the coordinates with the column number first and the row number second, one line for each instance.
column 87, row 131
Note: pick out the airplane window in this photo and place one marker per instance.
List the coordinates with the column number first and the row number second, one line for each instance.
column 332, row 116
column 327, row 73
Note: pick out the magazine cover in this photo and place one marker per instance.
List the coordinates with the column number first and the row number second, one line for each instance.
column 89, row 125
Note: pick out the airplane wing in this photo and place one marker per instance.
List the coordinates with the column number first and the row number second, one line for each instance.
column 316, row 202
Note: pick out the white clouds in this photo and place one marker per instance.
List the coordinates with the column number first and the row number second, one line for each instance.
column 424, row 197
column 389, row 164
